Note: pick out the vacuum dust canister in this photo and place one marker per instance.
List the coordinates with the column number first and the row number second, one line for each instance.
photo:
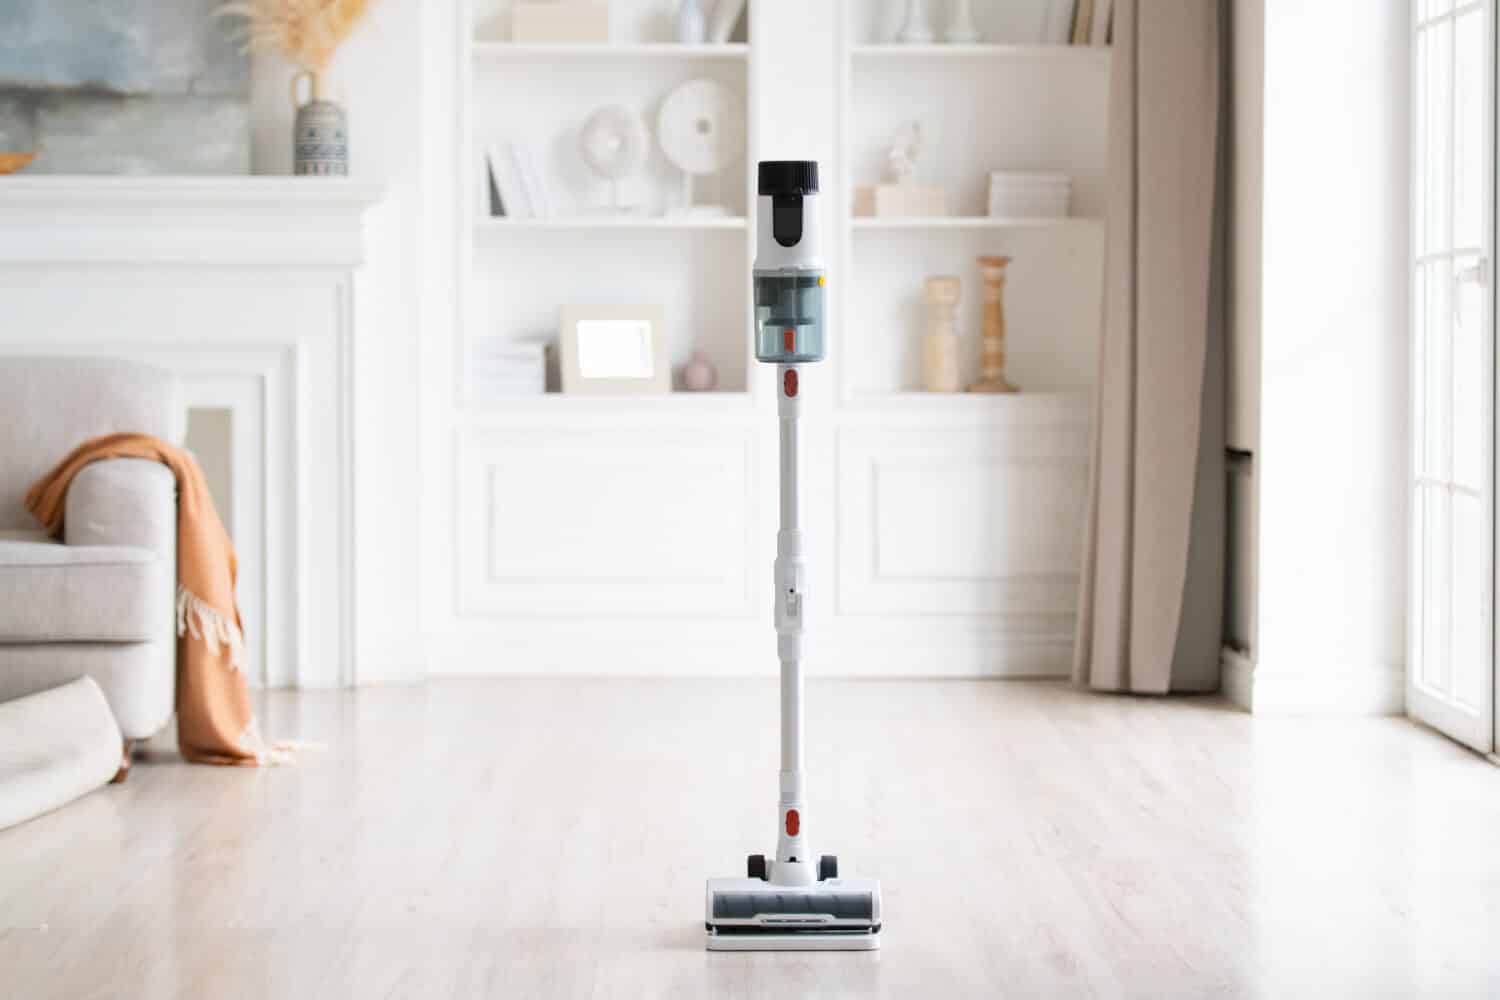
column 789, row 279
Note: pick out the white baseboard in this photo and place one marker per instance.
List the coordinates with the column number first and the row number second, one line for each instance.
column 1325, row 689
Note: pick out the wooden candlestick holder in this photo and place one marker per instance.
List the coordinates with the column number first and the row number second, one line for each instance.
column 992, row 337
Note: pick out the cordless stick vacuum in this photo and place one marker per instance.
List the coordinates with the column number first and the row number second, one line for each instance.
column 792, row 902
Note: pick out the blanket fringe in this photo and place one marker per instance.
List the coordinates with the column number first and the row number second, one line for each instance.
column 278, row 754
column 201, row 620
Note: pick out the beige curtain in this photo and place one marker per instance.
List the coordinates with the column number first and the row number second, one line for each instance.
column 1151, row 596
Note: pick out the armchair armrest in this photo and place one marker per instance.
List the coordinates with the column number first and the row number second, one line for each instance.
column 123, row 501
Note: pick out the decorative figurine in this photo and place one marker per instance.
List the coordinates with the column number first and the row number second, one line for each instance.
column 992, row 342
column 614, row 143
column 961, row 30
column 691, row 24
column 916, row 30
column 940, row 345
column 898, row 196
column 699, row 374
column 901, row 160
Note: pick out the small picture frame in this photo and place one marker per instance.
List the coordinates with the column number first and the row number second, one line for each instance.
column 614, row 350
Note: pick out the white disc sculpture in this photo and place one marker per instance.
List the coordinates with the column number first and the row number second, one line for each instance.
column 701, row 129
column 613, row 143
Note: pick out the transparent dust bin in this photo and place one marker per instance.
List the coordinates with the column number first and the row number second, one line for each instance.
column 789, row 316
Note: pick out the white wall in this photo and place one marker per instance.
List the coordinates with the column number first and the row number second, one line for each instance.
column 1321, row 326
column 380, row 76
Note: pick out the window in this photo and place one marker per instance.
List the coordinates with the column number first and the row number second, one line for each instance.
column 1451, row 670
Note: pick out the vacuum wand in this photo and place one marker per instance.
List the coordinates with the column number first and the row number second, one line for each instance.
column 790, row 582
column 794, row 901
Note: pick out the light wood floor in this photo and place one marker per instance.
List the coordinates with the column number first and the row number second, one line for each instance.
column 538, row 838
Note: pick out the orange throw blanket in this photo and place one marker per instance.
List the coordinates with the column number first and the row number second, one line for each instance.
column 215, row 724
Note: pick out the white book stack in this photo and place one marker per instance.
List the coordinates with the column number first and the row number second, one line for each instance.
column 1016, row 195
column 500, row 368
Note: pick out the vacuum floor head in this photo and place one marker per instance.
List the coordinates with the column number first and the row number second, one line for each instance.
column 747, row 914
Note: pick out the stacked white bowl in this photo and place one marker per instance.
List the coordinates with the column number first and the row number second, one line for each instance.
column 1029, row 195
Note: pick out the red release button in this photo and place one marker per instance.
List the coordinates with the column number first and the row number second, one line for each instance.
column 789, row 340
column 793, row 822
column 789, row 382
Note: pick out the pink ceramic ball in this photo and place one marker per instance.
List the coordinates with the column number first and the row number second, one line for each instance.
column 699, row 374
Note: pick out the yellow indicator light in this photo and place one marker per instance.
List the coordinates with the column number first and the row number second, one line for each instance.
column 821, row 281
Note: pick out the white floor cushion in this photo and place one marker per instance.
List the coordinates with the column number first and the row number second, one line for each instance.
column 55, row 746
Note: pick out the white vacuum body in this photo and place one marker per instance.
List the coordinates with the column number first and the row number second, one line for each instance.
column 794, row 901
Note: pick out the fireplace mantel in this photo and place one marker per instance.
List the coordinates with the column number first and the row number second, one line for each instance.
column 238, row 220
column 255, row 291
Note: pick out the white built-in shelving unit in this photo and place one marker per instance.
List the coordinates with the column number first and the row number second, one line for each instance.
column 634, row 534
column 511, row 284
column 1006, row 103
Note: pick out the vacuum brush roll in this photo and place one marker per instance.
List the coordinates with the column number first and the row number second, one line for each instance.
column 747, row 914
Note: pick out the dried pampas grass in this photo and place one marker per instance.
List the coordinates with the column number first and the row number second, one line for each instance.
column 305, row 31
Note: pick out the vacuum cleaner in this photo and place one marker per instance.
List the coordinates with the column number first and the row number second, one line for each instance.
column 793, row 902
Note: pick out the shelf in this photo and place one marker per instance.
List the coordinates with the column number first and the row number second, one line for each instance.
column 1013, row 51
column 973, row 222
column 609, row 50
column 1067, row 404
column 479, row 411
column 613, row 222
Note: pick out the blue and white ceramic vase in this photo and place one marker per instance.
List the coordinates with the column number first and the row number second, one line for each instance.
column 691, row 25
column 320, row 133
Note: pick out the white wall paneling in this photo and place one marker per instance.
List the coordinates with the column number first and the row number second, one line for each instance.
column 606, row 523
column 252, row 291
column 961, row 521
column 965, row 533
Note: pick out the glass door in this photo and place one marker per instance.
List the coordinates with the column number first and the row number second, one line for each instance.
column 1451, row 667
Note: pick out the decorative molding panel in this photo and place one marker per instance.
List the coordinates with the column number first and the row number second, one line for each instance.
column 962, row 522
column 604, row 523
column 251, row 289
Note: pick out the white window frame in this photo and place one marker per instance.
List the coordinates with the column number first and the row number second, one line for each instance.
column 1432, row 695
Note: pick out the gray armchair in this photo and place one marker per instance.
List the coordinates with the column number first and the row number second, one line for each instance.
column 102, row 601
